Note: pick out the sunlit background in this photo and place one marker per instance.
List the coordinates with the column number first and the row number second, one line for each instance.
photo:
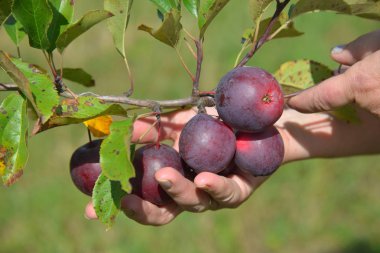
column 311, row 206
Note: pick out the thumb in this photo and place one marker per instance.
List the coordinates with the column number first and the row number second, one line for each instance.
column 358, row 49
column 329, row 94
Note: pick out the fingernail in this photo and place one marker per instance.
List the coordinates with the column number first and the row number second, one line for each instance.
column 204, row 187
column 166, row 184
column 338, row 49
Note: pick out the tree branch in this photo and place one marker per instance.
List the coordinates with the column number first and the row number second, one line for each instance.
column 264, row 38
column 205, row 97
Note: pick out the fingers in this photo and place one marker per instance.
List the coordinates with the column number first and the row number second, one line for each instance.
column 184, row 192
column 171, row 125
column 90, row 212
column 147, row 213
column 227, row 192
column 357, row 49
column 331, row 93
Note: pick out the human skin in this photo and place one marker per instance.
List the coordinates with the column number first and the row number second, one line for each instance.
column 306, row 135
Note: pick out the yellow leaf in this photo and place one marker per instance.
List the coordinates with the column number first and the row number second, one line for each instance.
column 99, row 126
column 2, row 168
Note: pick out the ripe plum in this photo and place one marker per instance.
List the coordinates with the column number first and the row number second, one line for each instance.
column 85, row 167
column 207, row 144
column 249, row 99
column 147, row 160
column 260, row 154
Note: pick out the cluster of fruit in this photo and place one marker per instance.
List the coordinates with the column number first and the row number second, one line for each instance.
column 248, row 100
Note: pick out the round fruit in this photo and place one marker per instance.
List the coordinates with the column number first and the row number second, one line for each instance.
column 260, row 154
column 84, row 166
column 249, row 99
column 207, row 144
column 147, row 160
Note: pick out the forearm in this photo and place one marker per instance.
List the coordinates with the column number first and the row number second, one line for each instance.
column 320, row 135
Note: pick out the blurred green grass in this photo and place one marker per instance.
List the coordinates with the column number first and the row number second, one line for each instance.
column 318, row 205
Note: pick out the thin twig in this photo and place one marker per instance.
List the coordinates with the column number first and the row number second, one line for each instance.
column 131, row 79
column 190, row 49
column 184, row 64
column 264, row 38
column 198, row 44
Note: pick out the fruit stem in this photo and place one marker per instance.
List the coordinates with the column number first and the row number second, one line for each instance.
column 89, row 135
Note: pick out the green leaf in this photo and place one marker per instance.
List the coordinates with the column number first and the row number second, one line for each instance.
column 192, row 6
column 118, row 23
column 169, row 31
column 73, row 111
column 76, row 29
column 42, row 86
column 287, row 29
column 208, row 9
column 115, row 152
column 13, row 134
column 5, row 10
column 17, row 77
column 301, row 74
column 63, row 11
column 79, row 76
column 166, row 6
column 35, row 16
column 14, row 30
column 362, row 8
column 106, row 197
column 257, row 8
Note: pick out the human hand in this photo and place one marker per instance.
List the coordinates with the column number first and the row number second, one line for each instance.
column 359, row 84
column 305, row 136
column 207, row 191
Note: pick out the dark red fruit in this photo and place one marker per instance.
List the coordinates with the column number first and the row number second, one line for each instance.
column 84, row 166
column 249, row 99
column 260, row 154
column 147, row 160
column 207, row 144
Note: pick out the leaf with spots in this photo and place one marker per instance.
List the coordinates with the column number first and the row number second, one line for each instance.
column 42, row 86
column 73, row 111
column 76, row 29
column 301, row 74
column 298, row 75
column 13, row 134
column 106, row 197
column 115, row 153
